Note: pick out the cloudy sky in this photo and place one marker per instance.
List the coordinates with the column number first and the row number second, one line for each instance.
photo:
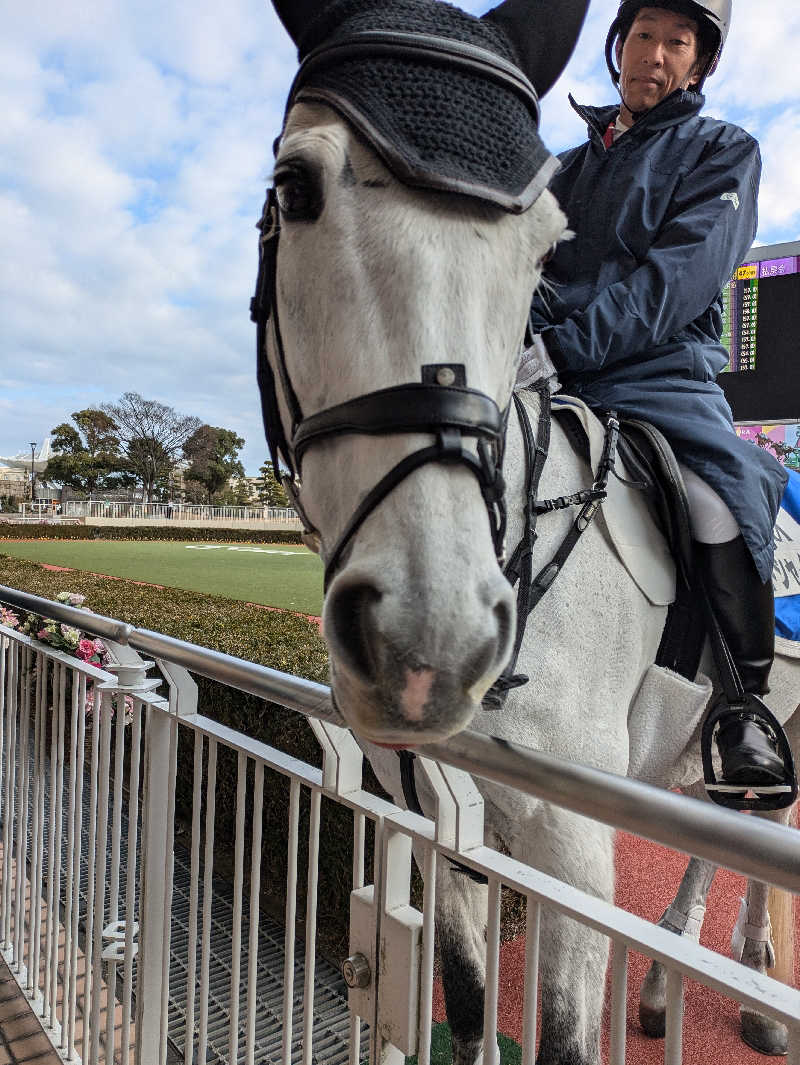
column 134, row 147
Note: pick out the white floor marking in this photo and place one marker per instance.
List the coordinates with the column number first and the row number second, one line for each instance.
column 255, row 550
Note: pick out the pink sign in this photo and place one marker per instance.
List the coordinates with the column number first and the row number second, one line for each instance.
column 782, row 441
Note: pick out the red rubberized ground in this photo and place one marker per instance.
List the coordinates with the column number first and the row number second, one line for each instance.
column 647, row 878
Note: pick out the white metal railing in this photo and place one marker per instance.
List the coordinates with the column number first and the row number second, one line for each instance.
column 81, row 508
column 125, row 941
column 39, row 516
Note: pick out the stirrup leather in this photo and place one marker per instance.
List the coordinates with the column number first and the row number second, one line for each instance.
column 767, row 797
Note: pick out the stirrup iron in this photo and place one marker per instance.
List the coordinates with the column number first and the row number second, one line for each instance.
column 767, row 796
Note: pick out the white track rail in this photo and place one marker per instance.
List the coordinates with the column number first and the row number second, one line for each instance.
column 101, row 980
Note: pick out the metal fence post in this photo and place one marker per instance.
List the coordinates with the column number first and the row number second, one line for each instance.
column 153, row 902
column 155, row 876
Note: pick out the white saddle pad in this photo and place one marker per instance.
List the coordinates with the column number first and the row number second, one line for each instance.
column 639, row 542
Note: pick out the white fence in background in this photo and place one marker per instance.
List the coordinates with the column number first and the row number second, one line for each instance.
column 42, row 515
column 94, row 508
column 91, row 947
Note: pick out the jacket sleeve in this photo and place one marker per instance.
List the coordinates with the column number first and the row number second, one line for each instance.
column 708, row 231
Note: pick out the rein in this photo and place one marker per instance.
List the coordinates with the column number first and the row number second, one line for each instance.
column 519, row 568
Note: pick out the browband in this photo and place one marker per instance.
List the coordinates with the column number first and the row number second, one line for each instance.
column 394, row 43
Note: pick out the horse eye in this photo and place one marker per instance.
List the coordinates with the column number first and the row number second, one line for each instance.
column 298, row 194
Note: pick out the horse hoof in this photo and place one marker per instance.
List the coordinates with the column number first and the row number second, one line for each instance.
column 653, row 1021
column 764, row 1035
column 470, row 1053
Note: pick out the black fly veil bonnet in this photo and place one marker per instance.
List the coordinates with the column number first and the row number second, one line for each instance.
column 436, row 93
column 449, row 102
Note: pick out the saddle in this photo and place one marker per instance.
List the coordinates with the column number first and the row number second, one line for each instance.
column 651, row 460
column 645, row 514
column 652, row 471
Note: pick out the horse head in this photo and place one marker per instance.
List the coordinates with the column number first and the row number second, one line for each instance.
column 400, row 247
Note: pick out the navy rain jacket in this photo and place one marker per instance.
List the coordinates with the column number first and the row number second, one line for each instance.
column 633, row 317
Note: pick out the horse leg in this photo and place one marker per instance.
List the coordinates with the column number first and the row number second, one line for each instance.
column 752, row 944
column 684, row 917
column 460, row 927
column 573, row 957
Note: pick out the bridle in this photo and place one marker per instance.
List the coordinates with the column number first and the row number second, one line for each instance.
column 440, row 403
column 434, row 405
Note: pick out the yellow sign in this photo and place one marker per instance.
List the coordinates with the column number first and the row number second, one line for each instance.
column 748, row 272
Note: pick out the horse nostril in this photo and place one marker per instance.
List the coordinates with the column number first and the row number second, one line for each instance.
column 350, row 624
column 495, row 649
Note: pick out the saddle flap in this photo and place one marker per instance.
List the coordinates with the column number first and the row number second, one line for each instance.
column 637, row 539
column 644, row 448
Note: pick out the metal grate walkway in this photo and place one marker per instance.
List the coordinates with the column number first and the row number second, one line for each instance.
column 331, row 1024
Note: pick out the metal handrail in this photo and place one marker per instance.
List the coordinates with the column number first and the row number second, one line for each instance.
column 752, row 847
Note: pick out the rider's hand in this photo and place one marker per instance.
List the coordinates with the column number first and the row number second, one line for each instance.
column 535, row 365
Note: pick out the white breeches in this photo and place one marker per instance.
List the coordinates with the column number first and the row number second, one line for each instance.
column 712, row 522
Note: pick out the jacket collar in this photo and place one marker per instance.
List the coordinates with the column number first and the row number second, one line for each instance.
column 675, row 108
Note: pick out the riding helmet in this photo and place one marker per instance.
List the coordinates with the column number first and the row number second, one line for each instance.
column 712, row 16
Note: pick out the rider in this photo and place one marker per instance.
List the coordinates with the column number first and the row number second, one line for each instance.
column 663, row 204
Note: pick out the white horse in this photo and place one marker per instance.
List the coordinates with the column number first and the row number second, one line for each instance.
column 375, row 279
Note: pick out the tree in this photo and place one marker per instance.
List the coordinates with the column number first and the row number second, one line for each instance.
column 235, row 494
column 152, row 436
column 270, row 492
column 88, row 456
column 213, row 457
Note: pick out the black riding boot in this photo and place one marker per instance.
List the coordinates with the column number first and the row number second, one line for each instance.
column 744, row 609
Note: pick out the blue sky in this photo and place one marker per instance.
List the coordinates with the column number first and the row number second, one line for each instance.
column 134, row 149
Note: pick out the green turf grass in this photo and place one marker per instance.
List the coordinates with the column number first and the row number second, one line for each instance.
column 281, row 575
column 441, row 1052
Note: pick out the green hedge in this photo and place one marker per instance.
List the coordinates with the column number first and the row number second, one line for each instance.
column 278, row 639
column 284, row 641
column 17, row 531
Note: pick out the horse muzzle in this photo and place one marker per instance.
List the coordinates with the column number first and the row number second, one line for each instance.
column 411, row 660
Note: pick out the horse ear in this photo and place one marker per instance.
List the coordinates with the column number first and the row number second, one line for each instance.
column 545, row 33
column 296, row 14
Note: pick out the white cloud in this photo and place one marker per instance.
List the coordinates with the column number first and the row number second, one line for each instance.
column 133, row 154
column 134, row 148
column 759, row 64
column 779, row 201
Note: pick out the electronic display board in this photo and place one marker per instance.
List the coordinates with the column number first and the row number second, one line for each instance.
column 761, row 330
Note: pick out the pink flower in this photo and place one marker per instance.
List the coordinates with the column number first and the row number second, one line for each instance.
column 86, row 650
